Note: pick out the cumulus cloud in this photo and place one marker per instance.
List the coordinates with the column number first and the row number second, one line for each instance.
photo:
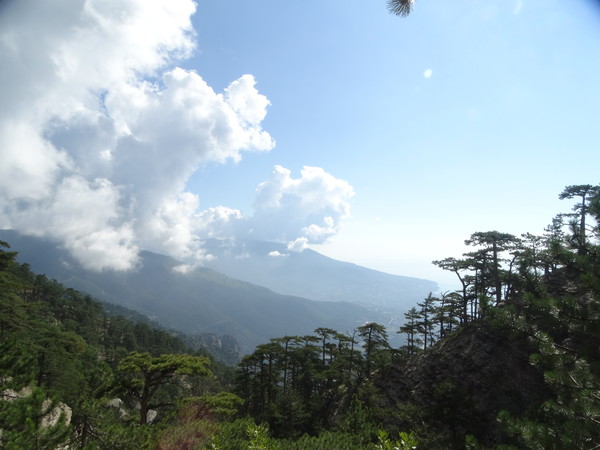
column 300, row 211
column 221, row 222
column 296, row 211
column 99, row 131
column 298, row 244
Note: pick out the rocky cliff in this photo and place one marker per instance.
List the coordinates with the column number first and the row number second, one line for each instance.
column 460, row 386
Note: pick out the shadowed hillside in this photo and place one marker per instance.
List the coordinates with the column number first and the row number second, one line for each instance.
column 199, row 301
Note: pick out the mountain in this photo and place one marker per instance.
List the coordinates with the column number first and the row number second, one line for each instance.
column 223, row 348
column 312, row 275
column 199, row 301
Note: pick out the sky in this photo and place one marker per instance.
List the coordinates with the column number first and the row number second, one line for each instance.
column 331, row 125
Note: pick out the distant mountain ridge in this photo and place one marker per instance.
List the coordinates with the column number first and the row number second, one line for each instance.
column 312, row 275
column 200, row 301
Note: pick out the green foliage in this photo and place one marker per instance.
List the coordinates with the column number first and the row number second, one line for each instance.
column 31, row 421
column 245, row 434
column 258, row 436
column 375, row 345
column 231, row 435
column 358, row 419
column 405, row 440
column 29, row 417
column 570, row 417
column 143, row 376
column 59, row 349
column 222, row 404
column 295, row 382
column 327, row 439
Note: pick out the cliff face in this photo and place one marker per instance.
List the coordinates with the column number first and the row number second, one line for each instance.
column 224, row 348
column 460, row 385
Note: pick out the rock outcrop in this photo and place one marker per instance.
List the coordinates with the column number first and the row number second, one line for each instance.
column 462, row 383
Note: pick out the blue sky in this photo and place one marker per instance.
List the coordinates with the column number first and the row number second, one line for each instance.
column 467, row 116
column 151, row 124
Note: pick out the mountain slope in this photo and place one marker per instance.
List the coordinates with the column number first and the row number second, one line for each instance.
column 312, row 275
column 199, row 301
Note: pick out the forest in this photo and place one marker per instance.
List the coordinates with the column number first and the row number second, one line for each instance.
column 510, row 360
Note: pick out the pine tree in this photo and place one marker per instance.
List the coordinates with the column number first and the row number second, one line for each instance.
column 375, row 346
column 411, row 329
column 142, row 375
column 425, row 322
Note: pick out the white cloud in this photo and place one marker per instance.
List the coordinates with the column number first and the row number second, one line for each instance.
column 318, row 233
column 86, row 218
column 313, row 206
column 220, row 222
column 245, row 100
column 30, row 165
column 297, row 211
column 183, row 268
column 298, row 245
column 100, row 132
column 428, row 73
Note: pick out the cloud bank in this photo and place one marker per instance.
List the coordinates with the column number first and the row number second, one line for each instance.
column 100, row 131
